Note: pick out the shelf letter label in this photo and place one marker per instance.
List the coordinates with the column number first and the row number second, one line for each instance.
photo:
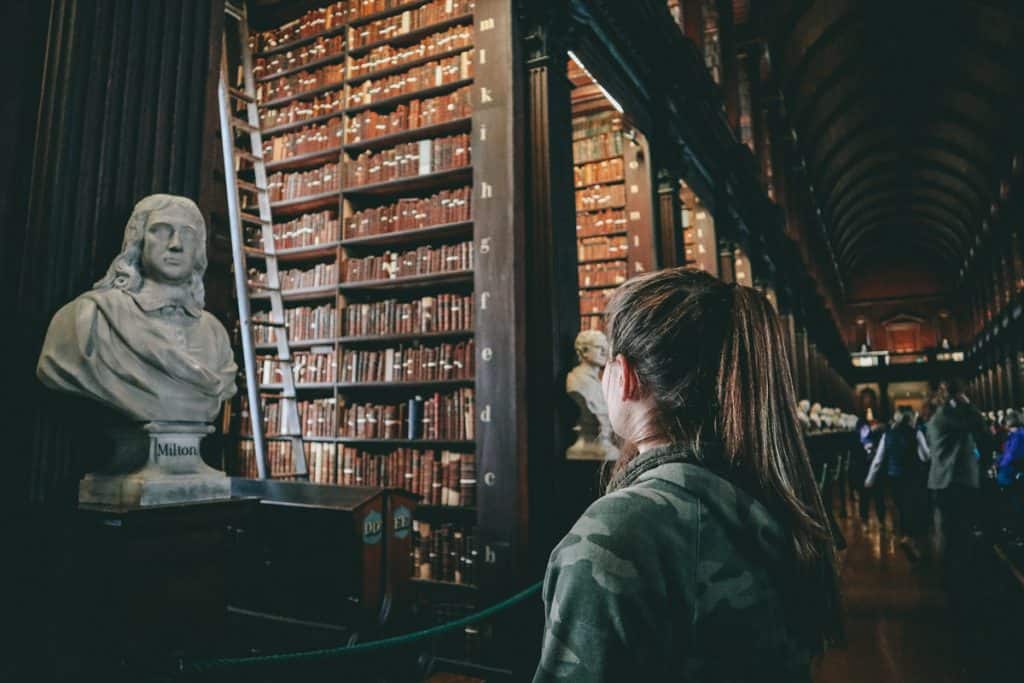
column 485, row 414
column 490, row 478
column 634, row 189
column 483, row 132
column 634, row 164
column 486, row 190
column 485, row 95
column 485, row 245
column 634, row 215
column 487, row 353
column 484, row 298
column 489, row 555
column 482, row 54
column 486, row 25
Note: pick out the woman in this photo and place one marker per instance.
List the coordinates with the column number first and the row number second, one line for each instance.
column 903, row 451
column 709, row 558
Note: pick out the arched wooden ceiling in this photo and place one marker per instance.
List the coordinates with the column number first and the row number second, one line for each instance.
column 907, row 113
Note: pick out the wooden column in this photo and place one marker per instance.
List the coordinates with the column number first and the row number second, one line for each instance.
column 670, row 221
column 640, row 222
column 126, row 100
column 552, row 303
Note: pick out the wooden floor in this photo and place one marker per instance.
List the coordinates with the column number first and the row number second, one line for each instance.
column 898, row 627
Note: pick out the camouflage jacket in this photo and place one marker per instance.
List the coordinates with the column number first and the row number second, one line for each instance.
column 673, row 576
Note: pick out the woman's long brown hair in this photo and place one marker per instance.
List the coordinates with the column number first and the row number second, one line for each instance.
column 712, row 358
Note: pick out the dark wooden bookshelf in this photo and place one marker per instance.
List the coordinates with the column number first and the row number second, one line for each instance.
column 445, row 513
column 303, row 294
column 307, row 160
column 414, row 236
column 599, row 183
column 607, row 259
column 295, row 125
column 308, row 386
column 613, row 233
column 311, row 253
column 297, row 344
column 616, row 207
column 590, row 288
column 307, row 204
column 580, row 162
column 438, row 180
column 413, row 36
column 329, row 59
column 462, row 446
column 460, row 277
column 409, row 385
column 299, row 42
column 304, row 95
column 405, row 66
column 415, row 95
column 460, row 125
column 377, row 340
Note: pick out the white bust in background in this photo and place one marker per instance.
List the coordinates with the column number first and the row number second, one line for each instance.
column 139, row 341
column 802, row 408
column 583, row 384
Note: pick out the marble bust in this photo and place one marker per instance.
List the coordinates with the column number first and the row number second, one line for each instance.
column 583, row 384
column 140, row 343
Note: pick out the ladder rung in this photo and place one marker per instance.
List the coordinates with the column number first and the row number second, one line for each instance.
column 248, row 156
column 241, row 95
column 251, row 187
column 253, row 251
column 244, row 125
column 252, row 218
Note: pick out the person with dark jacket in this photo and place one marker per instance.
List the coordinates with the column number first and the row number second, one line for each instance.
column 1010, row 477
column 903, row 451
column 953, row 477
column 709, row 558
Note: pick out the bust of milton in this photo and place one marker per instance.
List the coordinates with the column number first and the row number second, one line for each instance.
column 139, row 341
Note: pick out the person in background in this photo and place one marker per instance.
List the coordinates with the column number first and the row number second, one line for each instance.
column 903, row 451
column 709, row 558
column 1010, row 477
column 860, row 458
column 954, row 477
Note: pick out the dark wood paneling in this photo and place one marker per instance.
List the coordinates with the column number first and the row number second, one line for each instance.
column 640, row 225
column 670, row 221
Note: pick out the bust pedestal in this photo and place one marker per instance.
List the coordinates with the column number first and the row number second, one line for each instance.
column 157, row 463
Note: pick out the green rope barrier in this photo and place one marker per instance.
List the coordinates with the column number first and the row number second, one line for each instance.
column 206, row 665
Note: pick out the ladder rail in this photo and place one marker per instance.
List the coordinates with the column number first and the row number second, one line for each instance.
column 240, row 270
column 290, row 419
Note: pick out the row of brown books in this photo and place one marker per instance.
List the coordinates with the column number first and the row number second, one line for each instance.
column 308, row 230
column 320, row 275
column 594, row 300
column 321, row 48
column 408, row 160
column 279, row 458
column 425, row 260
column 408, row 363
column 447, row 206
column 388, row 57
column 444, row 553
column 429, row 75
column 592, row 248
column 283, row 186
column 409, row 20
column 439, row 478
column 591, row 322
column 598, row 274
column 601, row 197
column 317, row 417
column 299, row 83
column 607, row 171
column 311, row 23
column 306, row 140
column 308, row 367
column 368, row 124
column 332, row 102
column 600, row 223
column 440, row 313
column 305, row 323
column 598, row 147
column 439, row 417
column 590, row 125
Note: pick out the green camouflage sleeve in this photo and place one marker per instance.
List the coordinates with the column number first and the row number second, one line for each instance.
column 606, row 601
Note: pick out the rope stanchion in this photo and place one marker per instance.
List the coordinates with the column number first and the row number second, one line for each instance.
column 207, row 665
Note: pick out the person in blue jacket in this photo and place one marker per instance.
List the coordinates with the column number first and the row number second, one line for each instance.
column 1010, row 475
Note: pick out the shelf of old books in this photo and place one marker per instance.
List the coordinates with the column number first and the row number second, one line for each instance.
column 699, row 241
column 610, row 196
column 366, row 113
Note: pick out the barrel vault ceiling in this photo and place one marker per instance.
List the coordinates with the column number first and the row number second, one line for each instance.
column 906, row 112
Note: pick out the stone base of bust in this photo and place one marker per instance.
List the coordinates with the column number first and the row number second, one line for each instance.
column 592, row 449
column 157, row 463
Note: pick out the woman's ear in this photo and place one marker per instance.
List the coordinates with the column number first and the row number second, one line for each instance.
column 630, row 385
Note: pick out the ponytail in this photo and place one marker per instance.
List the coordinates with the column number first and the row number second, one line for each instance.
column 713, row 359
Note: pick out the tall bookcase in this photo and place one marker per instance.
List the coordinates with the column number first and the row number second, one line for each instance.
column 389, row 128
column 700, row 244
column 614, row 209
